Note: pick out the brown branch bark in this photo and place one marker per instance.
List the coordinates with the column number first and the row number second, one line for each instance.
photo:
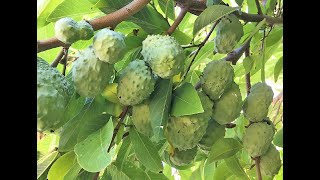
column 257, row 162
column 230, row 125
column 177, row 21
column 235, row 55
column 248, row 83
column 64, row 60
column 116, row 129
column 96, row 176
column 257, row 18
column 58, row 58
column 258, row 7
column 109, row 20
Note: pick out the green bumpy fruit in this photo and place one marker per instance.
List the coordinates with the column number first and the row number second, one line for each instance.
column 185, row 132
column 136, row 83
column 217, row 77
column 229, row 32
column 214, row 132
column 66, row 30
column 141, row 118
column 229, row 106
column 257, row 138
column 90, row 75
column 182, row 158
column 85, row 30
column 256, row 105
column 164, row 55
column 52, row 96
column 109, row 46
column 270, row 162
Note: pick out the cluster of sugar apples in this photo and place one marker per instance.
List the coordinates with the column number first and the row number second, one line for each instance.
column 163, row 57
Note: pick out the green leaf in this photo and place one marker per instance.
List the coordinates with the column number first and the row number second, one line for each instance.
column 256, row 29
column 222, row 172
column 44, row 8
column 235, row 167
column 160, row 101
column 210, row 15
column 44, row 163
column 85, row 175
column 133, row 42
column 62, row 165
column 239, row 2
column 73, row 173
column 167, row 7
column 181, row 37
column 70, row 131
column 46, row 145
column 278, row 68
column 248, row 64
column 129, row 56
column 156, row 176
column 145, row 151
column 208, row 170
column 252, row 7
column 185, row 101
column 193, row 78
column 92, row 152
column 126, row 27
column 274, row 36
column 224, row 148
column 278, row 138
column 113, row 173
column 123, row 153
column 71, row 8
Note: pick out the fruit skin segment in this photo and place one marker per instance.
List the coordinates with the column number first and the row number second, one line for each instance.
column 214, row 132
column 229, row 32
column 164, row 55
column 90, row 75
column 141, row 118
column 66, row 30
column 185, row 132
column 109, row 46
column 136, row 83
column 257, row 138
column 256, row 105
column 181, row 158
column 270, row 162
column 52, row 96
column 85, row 30
column 217, row 78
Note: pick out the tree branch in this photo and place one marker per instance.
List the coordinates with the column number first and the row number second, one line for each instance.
column 177, row 21
column 64, row 60
column 257, row 162
column 230, row 125
column 248, row 83
column 109, row 20
column 235, row 55
column 258, row 7
column 58, row 58
column 116, row 129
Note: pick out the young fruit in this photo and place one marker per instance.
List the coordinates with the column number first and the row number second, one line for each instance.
column 90, row 75
column 270, row 162
column 182, row 158
column 141, row 118
column 109, row 46
column 136, row 83
column 85, row 30
column 164, row 55
column 66, row 30
column 214, row 132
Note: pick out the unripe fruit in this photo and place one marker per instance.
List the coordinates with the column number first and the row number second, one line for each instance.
column 90, row 75
column 66, row 30
column 270, row 162
column 109, row 46
column 256, row 104
column 214, row 132
column 52, row 96
column 164, row 55
column 217, row 77
column 182, row 158
column 85, row 30
column 136, row 83
column 141, row 118
column 257, row 138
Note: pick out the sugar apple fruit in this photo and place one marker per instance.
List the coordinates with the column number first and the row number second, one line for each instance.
column 257, row 138
column 270, row 162
column 52, row 96
column 66, row 30
column 229, row 106
column 109, row 46
column 136, row 83
column 85, row 30
column 185, row 132
column 217, row 77
column 214, row 132
column 90, row 75
column 182, row 158
column 256, row 104
column 164, row 55
column 141, row 118
column 229, row 32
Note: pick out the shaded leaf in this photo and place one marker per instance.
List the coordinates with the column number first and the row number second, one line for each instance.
column 278, row 138
column 223, row 148
column 222, row 172
column 44, row 163
column 236, row 168
column 92, row 152
column 210, row 15
column 185, row 101
column 167, row 7
column 129, row 56
column 247, row 64
column 145, row 151
column 278, row 68
column 47, row 144
column 239, row 2
column 123, row 153
column 44, row 8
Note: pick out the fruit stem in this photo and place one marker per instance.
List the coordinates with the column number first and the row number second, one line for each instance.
column 116, row 129
column 58, row 58
column 177, row 21
column 248, row 83
column 257, row 162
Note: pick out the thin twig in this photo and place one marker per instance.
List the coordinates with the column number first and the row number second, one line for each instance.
column 199, row 48
column 58, row 58
column 191, row 46
column 198, row 85
column 257, row 162
column 258, row 7
column 116, row 129
column 230, row 125
column 177, row 21
column 64, row 60
column 96, row 176
column 248, row 83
